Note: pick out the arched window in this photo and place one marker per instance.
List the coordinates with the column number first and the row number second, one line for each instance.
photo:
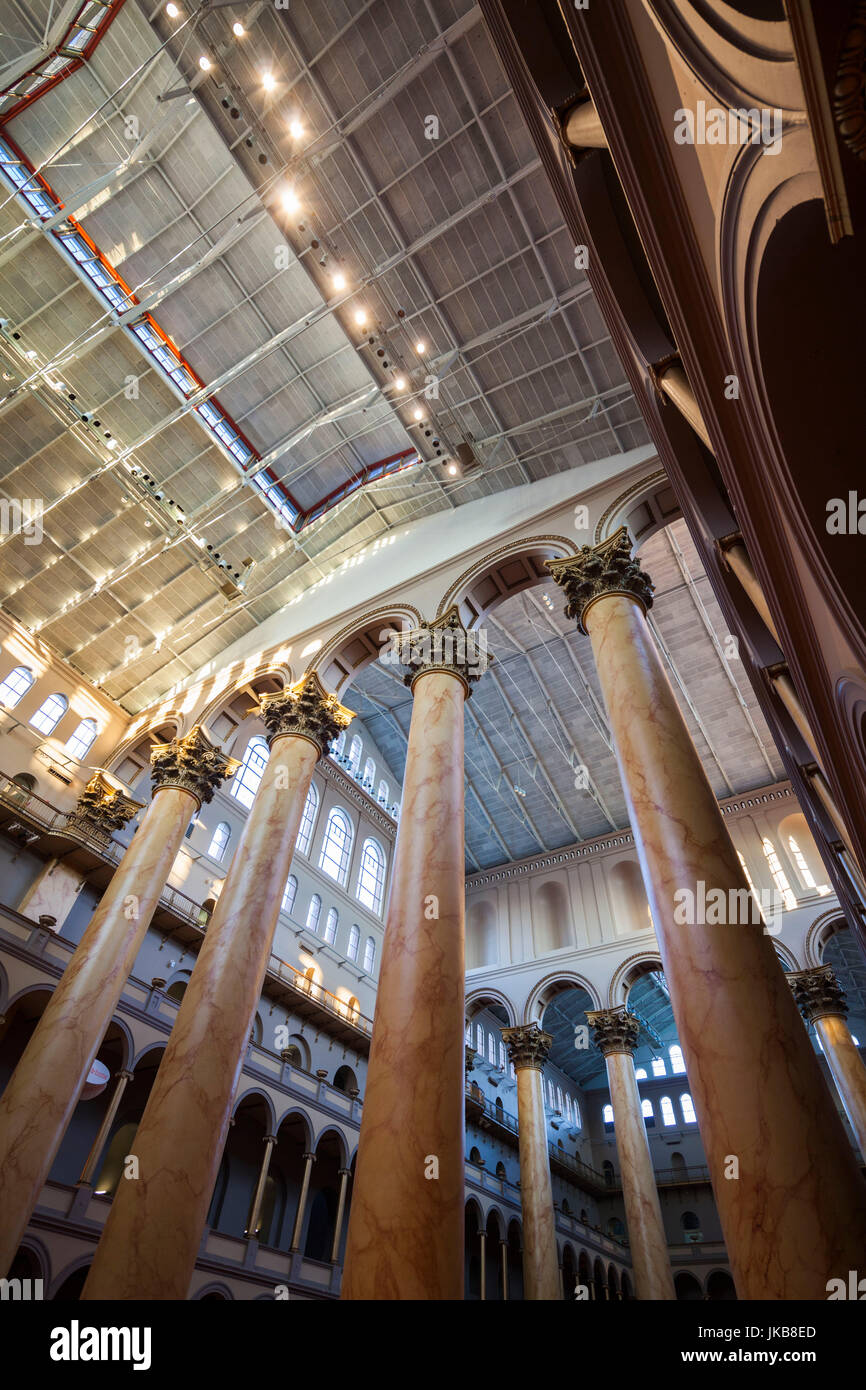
column 646, row 1109
column 369, row 954
column 338, row 745
column 559, row 1100
column 289, row 895
column 313, row 913
column 331, row 925
column 640, row 1074
column 688, row 1109
column 607, row 1116
column 479, row 1040
column 50, row 713
column 491, row 1049
column 805, row 872
column 383, row 793
column 748, row 877
column 502, row 1055
column 659, row 1068
column 371, row 875
column 689, row 1221
column 79, row 742
column 676, row 1055
column 576, row 1115
column 308, row 820
column 369, row 772
column 568, row 1107
column 245, row 782
column 551, row 1094
column 219, row 843
column 783, row 887
column 354, row 942
column 16, row 684
column 355, row 754
column 468, row 1037
column 667, row 1107
column 334, row 858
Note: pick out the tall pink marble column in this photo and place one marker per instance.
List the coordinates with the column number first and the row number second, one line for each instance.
column 42, row 1093
column 528, row 1046
column 616, row 1033
column 821, row 1001
column 790, row 1198
column 405, row 1236
column 151, row 1239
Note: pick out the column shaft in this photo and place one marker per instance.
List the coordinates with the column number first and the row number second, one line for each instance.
column 848, row 1072
column 341, row 1207
column 646, row 1234
column 91, row 1162
column 540, row 1260
column 796, row 1214
column 297, row 1229
column 149, row 1246
column 37, row 1104
column 482, row 1240
column 503, row 1255
column 405, row 1238
column 252, row 1226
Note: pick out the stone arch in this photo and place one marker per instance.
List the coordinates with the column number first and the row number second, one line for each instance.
column 551, row 916
column 823, row 927
column 628, row 972
column 483, row 997
column 649, row 505
column 83, row 1262
column 267, row 1103
column 481, row 934
column 294, row 1112
column 346, row 654
column 152, row 1045
column 795, row 826
column 787, row 959
column 553, row 984
column 230, row 717
column 501, row 573
column 132, row 757
column 213, row 1290
column 330, row 1130
column 35, row 1254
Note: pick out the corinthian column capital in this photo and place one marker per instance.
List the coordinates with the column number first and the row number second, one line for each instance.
column 443, row 644
column 528, row 1046
column 103, row 806
column 192, row 763
column 307, row 710
column 598, row 570
column 614, row 1030
column 817, row 993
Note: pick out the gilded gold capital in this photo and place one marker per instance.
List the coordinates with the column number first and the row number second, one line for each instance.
column 528, row 1046
column 194, row 763
column 614, row 1030
column 443, row 644
column 817, row 993
column 598, row 570
column 103, row 806
column 307, row 710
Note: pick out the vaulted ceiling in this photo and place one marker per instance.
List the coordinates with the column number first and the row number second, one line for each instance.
column 184, row 380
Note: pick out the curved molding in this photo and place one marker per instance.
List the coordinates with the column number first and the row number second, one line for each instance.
column 129, row 744
column 786, row 954
column 734, row 58
column 152, row 1045
column 617, row 991
column 219, row 701
column 359, row 625
column 329, row 1127
column 819, row 934
column 455, row 593
column 260, row 1095
column 214, row 1287
column 567, row 979
column 292, row 1111
column 481, row 994
column 611, row 520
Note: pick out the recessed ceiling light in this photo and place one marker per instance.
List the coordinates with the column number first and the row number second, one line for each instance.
column 400, row 383
column 452, row 469
column 204, row 63
column 172, row 11
column 420, row 346
column 339, row 281
column 296, row 129
column 418, row 413
column 360, row 317
column 290, row 200
column 238, row 29
column 269, row 82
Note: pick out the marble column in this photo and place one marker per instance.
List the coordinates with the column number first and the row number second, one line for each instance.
column 151, row 1239
column 406, row 1228
column 91, row 1163
column 821, row 1001
column 616, row 1033
column 255, row 1213
column 345, row 1174
column 297, row 1229
column 482, row 1254
column 38, row 1101
column 503, row 1256
column 528, row 1047
column 789, row 1195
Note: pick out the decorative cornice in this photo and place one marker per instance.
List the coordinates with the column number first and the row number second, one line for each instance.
column 599, row 570
column 443, row 644
column 193, row 763
column 353, row 792
column 305, row 710
column 818, row 994
column 528, row 1046
column 614, row 1030
column 103, row 806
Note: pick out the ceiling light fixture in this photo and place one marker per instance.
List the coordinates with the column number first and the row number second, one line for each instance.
column 418, row 413
column 420, row 347
column 238, row 29
column 400, row 383
column 172, row 11
column 452, row 469
column 339, row 281
column 269, row 82
column 204, row 63
column 360, row 317
column 290, row 200
column 296, row 129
